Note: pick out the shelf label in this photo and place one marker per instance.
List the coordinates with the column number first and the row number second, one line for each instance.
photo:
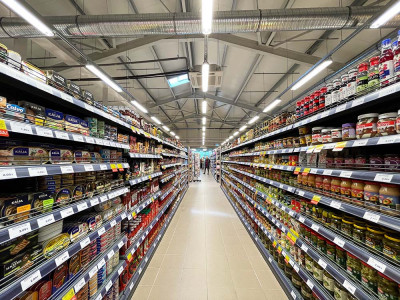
column 301, row 219
column 293, row 295
column 304, row 248
column 62, row 258
column 376, row 264
column 101, row 263
column 383, row 177
column 88, row 107
column 387, row 139
column 121, row 269
column 110, row 254
column 339, row 146
column 109, row 285
column 103, row 167
column 322, row 263
column 357, row 101
column 99, row 142
column 371, row 217
column 94, row 202
column 88, row 168
column 78, row 138
column 106, row 143
column 310, row 149
column 61, row 135
column 310, row 284
column 21, row 128
column 89, row 140
column 387, row 90
column 327, row 172
column 92, row 271
column 101, row 231
column 7, row 173
column 351, row 288
column 346, row 174
column 85, row 242
column 359, row 143
column 70, row 295
column 79, row 285
column 315, row 199
column 120, row 244
column 113, row 223
column 82, row 206
column 335, row 204
column 19, row 230
column 296, row 268
column 67, row 212
column 301, row 193
column 315, row 227
column 340, row 108
column 30, row 280
column 313, row 171
column 41, row 171
column 44, row 132
column 297, row 170
column 339, row 242
column 113, row 167
column 45, row 220
column 66, row 169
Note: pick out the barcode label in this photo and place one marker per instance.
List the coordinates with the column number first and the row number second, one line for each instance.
column 62, row 258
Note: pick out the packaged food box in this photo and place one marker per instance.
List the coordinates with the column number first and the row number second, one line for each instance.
column 78, row 192
column 15, row 208
column 43, row 288
column 82, row 157
column 28, row 295
column 18, row 245
column 61, row 156
column 59, row 276
column 62, row 196
column 74, row 265
column 33, row 155
column 84, row 127
column 34, row 113
column 17, row 265
column 56, row 80
column 42, row 202
column 88, row 97
column 55, row 244
column 54, row 119
column 32, row 71
column 14, row 111
column 14, row 59
column 72, row 123
column 74, row 90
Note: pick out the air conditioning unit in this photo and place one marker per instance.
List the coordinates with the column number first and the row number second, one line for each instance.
column 214, row 79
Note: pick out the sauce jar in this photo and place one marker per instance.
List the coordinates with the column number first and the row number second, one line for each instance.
column 330, row 250
column 336, row 222
column 348, row 131
column 347, row 226
column 387, row 124
column 327, row 185
column 371, row 193
column 353, row 265
column 306, row 106
column 351, row 83
column 357, row 191
column 360, row 161
column 362, row 77
column 369, row 277
column 389, row 195
column 366, row 126
column 317, row 135
column 328, row 95
column 319, row 182
column 326, row 136
column 335, row 185
column 343, row 87
column 345, row 189
column 336, row 134
column 316, row 101
column 335, row 91
column 373, row 73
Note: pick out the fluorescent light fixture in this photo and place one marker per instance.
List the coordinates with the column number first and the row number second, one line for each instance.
column 204, row 106
column 272, row 105
column 203, row 142
column 253, row 119
column 104, row 77
column 156, row 120
column 387, row 15
column 177, row 137
column 24, row 13
column 178, row 80
column 312, row 74
column 206, row 16
column 204, row 128
column 235, row 133
column 166, row 128
column 231, row 137
column 204, row 120
column 205, row 72
column 204, row 134
column 138, row 105
column 172, row 133
column 243, row 128
column 204, row 149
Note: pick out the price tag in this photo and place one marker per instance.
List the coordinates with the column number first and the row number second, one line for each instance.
column 340, row 108
column 310, row 149
column 339, row 146
column 301, row 193
column 77, row 138
column 121, row 269
column 318, row 148
column 291, row 213
column 40, row 171
column 88, row 107
column 313, row 171
column 383, row 177
column 113, row 223
column 387, row 140
column 296, row 268
column 85, row 242
column 376, row 264
column 140, row 270
column 131, row 286
column 106, row 143
column 19, row 230
column 99, row 142
column 99, row 297
column 327, row 172
column 293, row 295
column 351, row 288
column 371, row 217
column 297, row 170
column 101, row 263
column 44, row 132
column 315, row 227
column 269, row 259
column 89, row 140
column 109, row 285
column 30, row 280
column 67, row 97
column 121, row 168
column 92, row 271
column 82, row 206
column 88, row 168
column 103, row 167
column 301, row 219
column 310, row 284
column 110, row 254
column 45, row 220
column 94, row 202
column 70, row 295
column 120, row 244
column 304, row 248
column 346, row 174
column 359, row 143
column 66, row 169
column 101, row 231
column 335, row 204
column 315, row 199
column 20, row 128
column 62, row 258
column 357, row 101
column 322, row 263
column 61, row 135
column 7, row 173
column 339, row 242
column 67, row 212
column 113, row 167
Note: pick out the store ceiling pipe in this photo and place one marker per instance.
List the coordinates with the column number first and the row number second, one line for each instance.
column 190, row 22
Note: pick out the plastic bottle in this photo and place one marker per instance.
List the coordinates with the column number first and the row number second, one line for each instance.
column 396, row 60
column 386, row 71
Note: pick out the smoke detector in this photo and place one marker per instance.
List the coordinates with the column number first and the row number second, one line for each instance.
column 214, row 80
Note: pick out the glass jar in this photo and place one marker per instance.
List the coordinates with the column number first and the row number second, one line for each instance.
column 340, row 257
column 373, row 73
column 348, row 161
column 318, row 272
column 321, row 244
column 335, row 91
column 316, row 135
column 336, row 135
column 374, row 238
column 353, row 266
column 316, row 101
column 306, row 292
column 398, row 122
column 359, row 231
column 308, row 139
column 387, row 124
column 329, row 282
column 338, row 160
column 314, row 238
column 369, row 277
column 327, row 184
column 328, row 95
column 330, row 250
column 327, row 217
column 345, row 189
column 351, row 83
column 376, row 162
column 302, row 140
column 306, row 108
column 307, row 234
column 288, row 271
column 335, row 185
column 367, row 126
column 362, row 76
column 357, row 191
column 360, row 161
column 322, row 95
column 389, row 195
column 296, row 280
column 343, row 87
column 392, row 162
column 347, row 226
column 303, row 130
column 326, row 136
column 319, row 185
column 309, row 263
column 391, row 246
column 336, row 222
column 348, row 131
column 311, row 180
column 387, row 288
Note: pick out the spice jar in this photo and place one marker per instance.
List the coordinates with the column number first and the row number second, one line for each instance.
column 326, row 136
column 316, row 135
column 353, row 266
column 308, row 139
column 387, row 124
column 362, row 77
column 348, row 131
column 345, row 189
column 328, row 95
column 336, row 135
column 373, row 73
column 391, row 246
column 357, row 191
column 374, row 238
column 329, row 282
column 389, row 195
column 359, row 231
column 343, row 87
column 309, row 263
column 351, row 83
column 336, row 222
column 366, row 126
column 371, row 193
column 387, row 288
column 335, row 91
column 369, row 277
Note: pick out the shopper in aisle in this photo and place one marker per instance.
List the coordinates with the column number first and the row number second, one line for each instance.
column 207, row 166
column 201, row 163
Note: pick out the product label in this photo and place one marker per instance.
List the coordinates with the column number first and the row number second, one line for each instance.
column 386, row 70
column 385, row 125
column 360, row 128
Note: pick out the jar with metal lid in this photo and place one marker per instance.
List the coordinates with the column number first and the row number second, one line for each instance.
column 359, row 231
column 347, row 226
column 348, row 161
column 387, row 124
column 326, row 136
column 392, row 162
column 340, row 257
column 322, row 97
column 308, row 139
column 389, row 195
column 360, row 160
column 391, row 246
column 348, row 131
column 376, row 162
column 296, row 280
column 330, row 250
column 336, row 91
column 317, row 135
column 353, row 265
column 369, row 277
column 321, row 244
column 309, row 263
column 336, row 222
column 387, row 288
column 314, row 238
column 343, row 87
column 298, row 109
column 303, row 130
column 373, row 73
column 340, row 292
column 345, row 189
column 371, row 193
column 329, row 282
column 318, row 272
column 306, row 107
column 328, row 95
column 335, row 186
column 316, row 101
column 311, row 107
column 288, row 271
column 362, row 77
column 336, row 135
column 351, row 83
column 367, row 126
column 338, row 160
column 357, row 191
column 319, row 182
column 327, row 185
column 374, row 238
column 306, row 292
column 326, row 217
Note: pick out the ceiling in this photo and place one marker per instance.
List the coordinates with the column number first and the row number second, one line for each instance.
column 252, row 77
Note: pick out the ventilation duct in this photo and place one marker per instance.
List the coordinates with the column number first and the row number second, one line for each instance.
column 190, row 23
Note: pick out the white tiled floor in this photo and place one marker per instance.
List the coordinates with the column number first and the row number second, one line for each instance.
column 206, row 253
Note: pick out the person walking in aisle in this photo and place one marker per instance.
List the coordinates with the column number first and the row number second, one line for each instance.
column 207, row 166
column 201, row 163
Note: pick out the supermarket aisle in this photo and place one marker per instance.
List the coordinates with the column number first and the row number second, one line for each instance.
column 207, row 254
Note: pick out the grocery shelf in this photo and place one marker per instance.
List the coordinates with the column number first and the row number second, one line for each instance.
column 335, row 111
column 100, row 260
column 173, row 155
column 170, row 165
column 144, row 178
column 168, row 177
column 11, row 172
column 143, row 155
column 35, row 222
column 142, row 205
column 111, row 279
column 26, row 281
column 144, row 262
column 279, row 275
column 165, row 194
column 358, row 211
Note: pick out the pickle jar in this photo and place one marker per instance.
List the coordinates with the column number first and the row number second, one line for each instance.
column 330, row 250
column 326, row 217
column 329, row 282
column 340, row 257
column 353, row 266
column 347, row 225
column 336, row 222
column 340, row 292
column 369, row 277
column 318, row 272
column 374, row 238
column 387, row 288
column 359, row 231
column 321, row 244
column 296, row 280
column 391, row 246
column 314, row 238
column 309, row 263
column 306, row 292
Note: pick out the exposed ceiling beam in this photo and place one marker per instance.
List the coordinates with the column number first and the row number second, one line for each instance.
column 198, row 117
